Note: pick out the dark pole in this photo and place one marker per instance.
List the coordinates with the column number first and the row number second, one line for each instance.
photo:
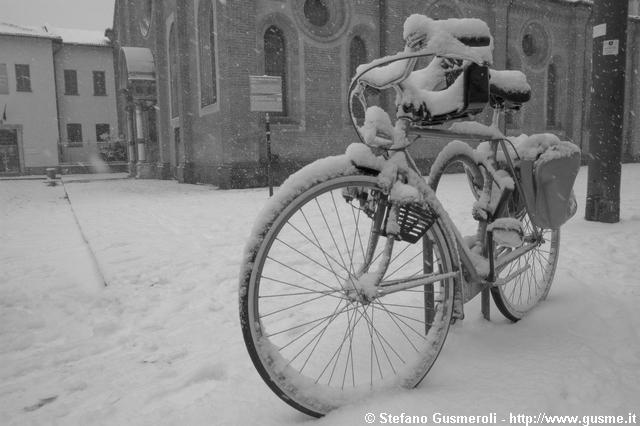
column 607, row 110
column 269, row 177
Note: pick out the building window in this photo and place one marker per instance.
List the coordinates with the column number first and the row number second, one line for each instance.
column 511, row 118
column 70, row 82
column 535, row 44
column 552, row 91
column 146, row 17
column 207, row 52
column 4, row 80
column 316, row 12
column 173, row 70
column 321, row 19
column 103, row 132
column 528, row 45
column 23, row 78
column 99, row 84
column 74, row 133
column 357, row 55
column 275, row 60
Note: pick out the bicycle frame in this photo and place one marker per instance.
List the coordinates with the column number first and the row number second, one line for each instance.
column 473, row 282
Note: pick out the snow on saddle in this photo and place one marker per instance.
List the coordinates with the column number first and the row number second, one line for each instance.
column 508, row 88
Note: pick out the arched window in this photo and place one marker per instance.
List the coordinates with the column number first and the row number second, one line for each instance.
column 207, row 53
column 316, row 12
column 357, row 55
column 443, row 11
column 552, row 88
column 275, row 59
column 173, row 70
column 512, row 117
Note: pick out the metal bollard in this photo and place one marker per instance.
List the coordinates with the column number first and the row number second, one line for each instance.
column 51, row 176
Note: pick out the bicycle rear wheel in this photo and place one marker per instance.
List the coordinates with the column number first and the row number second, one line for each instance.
column 537, row 267
column 314, row 342
column 533, row 271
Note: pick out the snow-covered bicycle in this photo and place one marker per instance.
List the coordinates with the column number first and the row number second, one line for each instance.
column 354, row 270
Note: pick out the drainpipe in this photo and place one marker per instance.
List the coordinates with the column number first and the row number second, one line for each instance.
column 585, row 69
column 56, row 46
column 506, row 45
column 630, row 91
column 382, row 7
column 506, row 54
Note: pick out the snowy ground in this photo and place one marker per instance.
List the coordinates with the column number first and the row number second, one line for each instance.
column 161, row 344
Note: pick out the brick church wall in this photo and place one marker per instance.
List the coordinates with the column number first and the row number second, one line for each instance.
column 226, row 145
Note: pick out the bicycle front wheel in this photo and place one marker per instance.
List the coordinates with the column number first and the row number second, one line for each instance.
column 316, row 342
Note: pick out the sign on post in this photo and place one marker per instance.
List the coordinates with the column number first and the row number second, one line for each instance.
column 265, row 93
column 610, row 47
column 266, row 96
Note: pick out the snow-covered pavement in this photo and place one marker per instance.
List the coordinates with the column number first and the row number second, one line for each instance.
column 161, row 343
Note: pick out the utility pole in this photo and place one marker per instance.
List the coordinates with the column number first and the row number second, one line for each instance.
column 607, row 109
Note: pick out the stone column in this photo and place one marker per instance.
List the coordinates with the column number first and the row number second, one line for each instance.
column 145, row 170
column 499, row 11
column 131, row 141
column 187, row 45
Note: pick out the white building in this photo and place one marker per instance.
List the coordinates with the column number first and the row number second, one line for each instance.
column 29, row 130
column 57, row 87
column 85, row 84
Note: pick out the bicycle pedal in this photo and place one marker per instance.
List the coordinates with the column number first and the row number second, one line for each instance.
column 507, row 231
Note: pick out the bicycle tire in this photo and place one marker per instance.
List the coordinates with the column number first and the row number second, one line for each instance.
column 273, row 333
column 517, row 297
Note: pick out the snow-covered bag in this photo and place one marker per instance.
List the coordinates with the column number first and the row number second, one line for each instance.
column 547, row 182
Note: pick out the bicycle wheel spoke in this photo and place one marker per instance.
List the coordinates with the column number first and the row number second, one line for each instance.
column 399, row 317
column 324, row 218
column 372, row 349
column 349, row 355
column 342, row 264
column 317, row 339
column 306, row 332
column 382, row 340
column 301, row 273
column 422, row 322
column 299, row 325
column 387, row 342
column 324, row 252
column 295, row 305
column 300, row 293
column 357, row 233
column 331, row 292
column 405, row 306
column 344, row 237
column 336, row 355
column 338, row 277
column 404, row 264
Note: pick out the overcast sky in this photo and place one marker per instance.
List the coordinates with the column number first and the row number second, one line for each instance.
column 81, row 14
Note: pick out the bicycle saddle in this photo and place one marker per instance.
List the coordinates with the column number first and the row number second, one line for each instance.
column 509, row 88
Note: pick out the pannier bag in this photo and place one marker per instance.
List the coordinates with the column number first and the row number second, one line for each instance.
column 547, row 183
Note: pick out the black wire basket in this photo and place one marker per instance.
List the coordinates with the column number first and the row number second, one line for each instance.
column 414, row 220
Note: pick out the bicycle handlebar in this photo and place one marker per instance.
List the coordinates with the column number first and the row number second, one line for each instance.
column 394, row 76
